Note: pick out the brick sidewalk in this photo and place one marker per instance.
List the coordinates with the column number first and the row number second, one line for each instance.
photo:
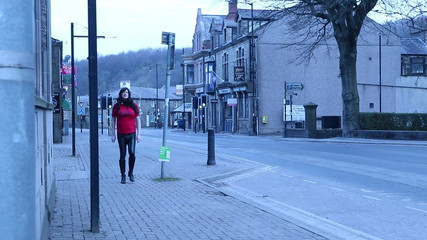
column 149, row 209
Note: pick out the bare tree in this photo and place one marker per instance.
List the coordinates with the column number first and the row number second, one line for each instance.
column 319, row 19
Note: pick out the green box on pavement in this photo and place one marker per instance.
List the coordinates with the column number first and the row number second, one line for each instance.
column 165, row 154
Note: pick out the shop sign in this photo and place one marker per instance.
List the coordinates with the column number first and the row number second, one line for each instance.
column 224, row 91
column 232, row 102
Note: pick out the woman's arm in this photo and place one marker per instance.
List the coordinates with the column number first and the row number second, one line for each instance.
column 113, row 129
column 138, row 128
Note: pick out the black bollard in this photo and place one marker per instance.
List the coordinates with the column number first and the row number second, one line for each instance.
column 211, row 147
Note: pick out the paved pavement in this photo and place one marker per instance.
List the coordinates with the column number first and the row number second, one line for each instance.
column 188, row 207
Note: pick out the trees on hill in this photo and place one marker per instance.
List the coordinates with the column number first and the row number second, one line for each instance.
column 138, row 67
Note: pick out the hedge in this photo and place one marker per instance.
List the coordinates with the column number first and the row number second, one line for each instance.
column 393, row 121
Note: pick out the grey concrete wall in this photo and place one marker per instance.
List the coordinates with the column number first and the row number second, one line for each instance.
column 17, row 157
column 277, row 62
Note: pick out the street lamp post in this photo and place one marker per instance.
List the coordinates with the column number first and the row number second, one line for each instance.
column 73, row 95
column 379, row 67
column 93, row 108
column 183, row 93
column 252, row 74
column 73, row 91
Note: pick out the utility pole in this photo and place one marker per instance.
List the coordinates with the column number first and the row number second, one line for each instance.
column 379, row 67
column 169, row 39
column 183, row 92
column 73, row 91
column 73, row 95
column 93, row 102
column 252, row 74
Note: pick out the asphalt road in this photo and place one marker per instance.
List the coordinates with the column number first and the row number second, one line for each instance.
column 373, row 187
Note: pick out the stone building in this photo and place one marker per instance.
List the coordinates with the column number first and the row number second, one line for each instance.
column 26, row 93
column 242, row 61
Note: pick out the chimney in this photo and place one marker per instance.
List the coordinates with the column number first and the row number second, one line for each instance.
column 232, row 9
column 232, row 6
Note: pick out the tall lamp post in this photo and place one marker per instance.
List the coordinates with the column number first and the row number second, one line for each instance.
column 183, row 92
column 379, row 67
column 73, row 91
column 252, row 73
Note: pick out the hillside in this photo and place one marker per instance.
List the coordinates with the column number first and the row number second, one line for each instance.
column 139, row 67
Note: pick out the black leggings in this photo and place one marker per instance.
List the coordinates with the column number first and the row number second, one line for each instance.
column 128, row 139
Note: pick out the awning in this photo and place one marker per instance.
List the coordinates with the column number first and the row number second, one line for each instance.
column 180, row 108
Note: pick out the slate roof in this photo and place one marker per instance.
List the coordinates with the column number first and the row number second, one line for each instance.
column 413, row 46
column 207, row 20
column 258, row 14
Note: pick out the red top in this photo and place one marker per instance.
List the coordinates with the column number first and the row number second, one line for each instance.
column 126, row 119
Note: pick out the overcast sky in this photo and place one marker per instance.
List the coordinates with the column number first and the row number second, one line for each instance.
column 130, row 25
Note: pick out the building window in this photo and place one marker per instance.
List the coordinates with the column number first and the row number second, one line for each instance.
column 413, row 66
column 153, row 104
column 190, row 74
column 418, row 66
column 225, row 67
column 240, row 56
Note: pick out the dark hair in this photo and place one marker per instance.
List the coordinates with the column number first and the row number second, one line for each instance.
column 127, row 102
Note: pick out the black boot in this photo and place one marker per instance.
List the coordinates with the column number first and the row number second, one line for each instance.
column 131, row 166
column 131, row 178
column 123, row 170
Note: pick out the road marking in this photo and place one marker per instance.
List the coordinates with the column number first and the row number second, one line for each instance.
column 338, row 189
column 416, row 209
column 309, row 181
column 374, row 198
column 366, row 190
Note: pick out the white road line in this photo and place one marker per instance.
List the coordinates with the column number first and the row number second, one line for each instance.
column 309, row 181
column 416, row 209
column 338, row 189
column 374, row 198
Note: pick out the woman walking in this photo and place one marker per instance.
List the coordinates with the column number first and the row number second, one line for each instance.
column 126, row 115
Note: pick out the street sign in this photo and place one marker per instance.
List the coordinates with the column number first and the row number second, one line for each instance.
column 66, row 80
column 81, row 111
column 165, row 154
column 81, row 108
column 295, row 86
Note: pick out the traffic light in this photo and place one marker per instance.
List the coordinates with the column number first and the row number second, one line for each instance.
column 103, row 102
column 204, row 100
column 110, row 102
column 195, row 102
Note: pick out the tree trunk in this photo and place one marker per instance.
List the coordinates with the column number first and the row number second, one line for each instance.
column 350, row 96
